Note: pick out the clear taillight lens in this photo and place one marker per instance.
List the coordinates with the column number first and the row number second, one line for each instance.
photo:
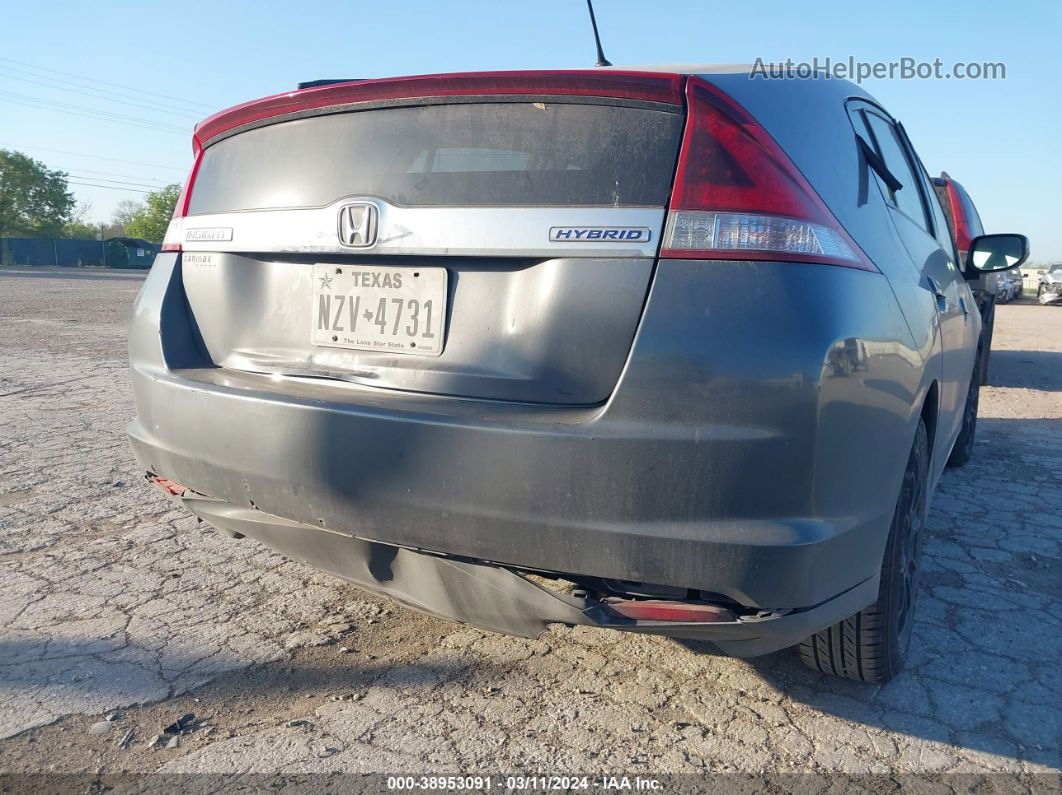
column 749, row 233
column 174, row 235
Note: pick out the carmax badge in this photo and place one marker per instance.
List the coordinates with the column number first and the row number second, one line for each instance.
column 599, row 234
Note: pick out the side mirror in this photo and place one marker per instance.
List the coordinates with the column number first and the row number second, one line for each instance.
column 997, row 252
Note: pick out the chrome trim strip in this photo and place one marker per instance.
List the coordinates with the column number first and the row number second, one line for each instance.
column 457, row 231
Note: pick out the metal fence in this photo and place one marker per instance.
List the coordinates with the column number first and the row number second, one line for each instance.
column 74, row 253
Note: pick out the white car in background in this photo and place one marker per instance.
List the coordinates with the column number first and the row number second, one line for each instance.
column 1049, row 290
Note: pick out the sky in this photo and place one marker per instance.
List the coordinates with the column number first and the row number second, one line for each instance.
column 1001, row 138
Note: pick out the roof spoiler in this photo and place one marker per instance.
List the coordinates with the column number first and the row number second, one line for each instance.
column 327, row 82
column 322, row 95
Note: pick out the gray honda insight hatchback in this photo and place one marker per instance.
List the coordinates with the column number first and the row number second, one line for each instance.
column 678, row 351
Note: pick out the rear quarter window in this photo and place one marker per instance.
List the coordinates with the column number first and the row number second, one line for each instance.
column 906, row 198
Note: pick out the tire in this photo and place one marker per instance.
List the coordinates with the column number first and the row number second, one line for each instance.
column 871, row 646
column 964, row 445
column 986, row 344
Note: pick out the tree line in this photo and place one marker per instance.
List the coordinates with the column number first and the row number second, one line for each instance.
column 36, row 201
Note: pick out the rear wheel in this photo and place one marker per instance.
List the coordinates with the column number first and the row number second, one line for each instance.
column 871, row 645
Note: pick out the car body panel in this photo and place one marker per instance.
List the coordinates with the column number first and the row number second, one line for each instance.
column 808, row 119
column 552, row 330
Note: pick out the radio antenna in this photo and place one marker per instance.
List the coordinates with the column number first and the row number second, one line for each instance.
column 601, row 60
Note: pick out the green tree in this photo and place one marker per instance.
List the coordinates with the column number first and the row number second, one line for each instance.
column 34, row 201
column 150, row 221
column 80, row 230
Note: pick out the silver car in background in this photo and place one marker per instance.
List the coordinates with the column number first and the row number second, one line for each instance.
column 668, row 351
column 1010, row 285
column 1049, row 290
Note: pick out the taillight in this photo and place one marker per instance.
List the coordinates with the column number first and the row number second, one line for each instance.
column 175, row 231
column 958, row 217
column 737, row 195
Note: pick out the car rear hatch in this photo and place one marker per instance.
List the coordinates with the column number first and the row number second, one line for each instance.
column 485, row 236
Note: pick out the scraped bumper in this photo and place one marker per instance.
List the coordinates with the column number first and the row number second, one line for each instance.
column 497, row 598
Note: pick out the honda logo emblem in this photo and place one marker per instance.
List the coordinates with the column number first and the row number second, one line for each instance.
column 357, row 224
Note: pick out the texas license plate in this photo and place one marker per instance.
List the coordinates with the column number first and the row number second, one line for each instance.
column 391, row 310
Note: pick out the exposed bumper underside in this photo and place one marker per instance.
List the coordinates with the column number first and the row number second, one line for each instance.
column 497, row 598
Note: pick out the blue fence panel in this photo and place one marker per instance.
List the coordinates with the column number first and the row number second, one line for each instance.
column 79, row 252
column 28, row 251
column 68, row 253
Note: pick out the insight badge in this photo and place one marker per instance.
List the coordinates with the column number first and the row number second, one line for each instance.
column 208, row 234
column 599, row 234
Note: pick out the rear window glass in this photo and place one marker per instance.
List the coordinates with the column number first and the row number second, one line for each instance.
column 490, row 154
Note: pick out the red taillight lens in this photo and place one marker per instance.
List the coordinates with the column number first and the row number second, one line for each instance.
column 175, row 231
column 958, row 215
column 737, row 195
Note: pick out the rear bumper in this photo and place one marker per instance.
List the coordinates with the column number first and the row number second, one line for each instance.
column 1049, row 296
column 764, row 467
column 497, row 598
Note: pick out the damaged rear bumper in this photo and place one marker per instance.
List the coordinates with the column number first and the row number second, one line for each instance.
column 1050, row 296
column 501, row 599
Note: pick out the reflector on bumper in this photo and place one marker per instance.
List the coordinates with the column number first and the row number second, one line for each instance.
column 168, row 486
column 658, row 610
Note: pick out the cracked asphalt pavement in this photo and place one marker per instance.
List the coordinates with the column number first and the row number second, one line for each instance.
column 119, row 614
